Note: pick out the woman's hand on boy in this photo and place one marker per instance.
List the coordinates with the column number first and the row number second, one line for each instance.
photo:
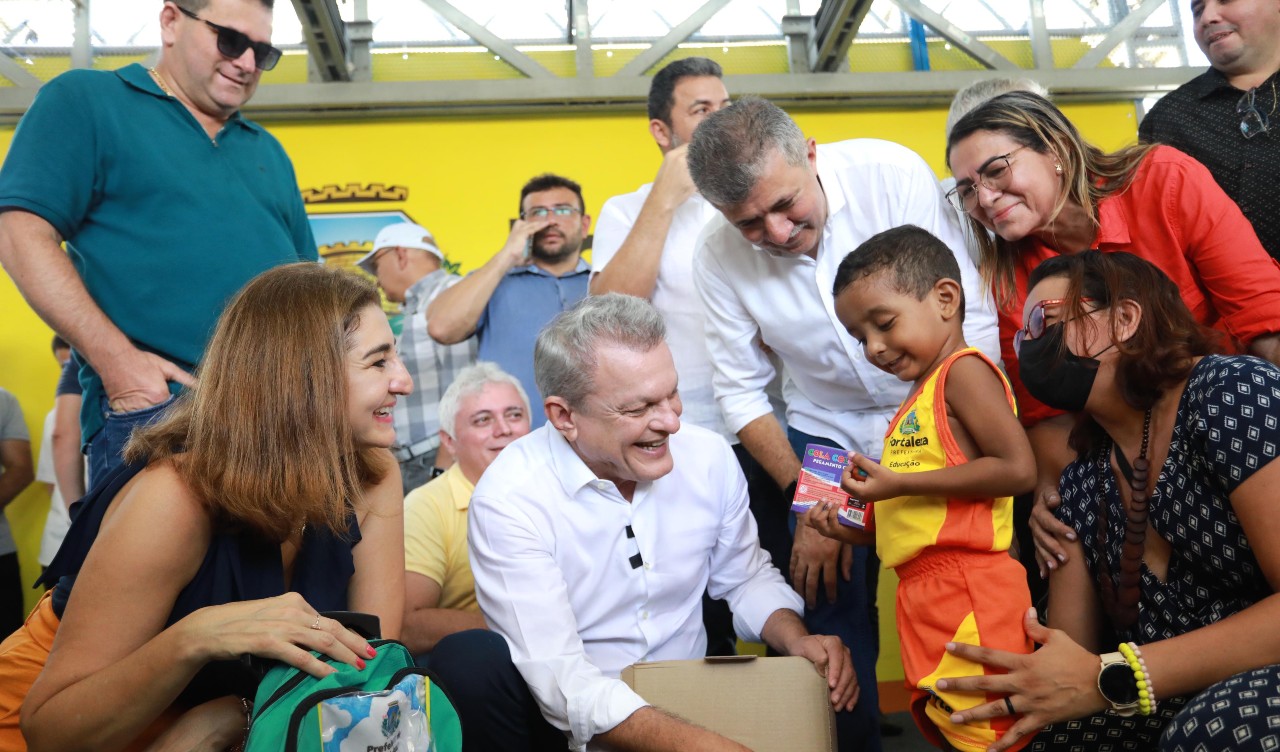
column 867, row 480
column 1056, row 683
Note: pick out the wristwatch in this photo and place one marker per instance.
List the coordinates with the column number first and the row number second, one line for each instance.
column 1117, row 685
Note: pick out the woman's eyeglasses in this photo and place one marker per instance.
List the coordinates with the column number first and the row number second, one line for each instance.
column 1252, row 120
column 232, row 44
column 1035, row 322
column 994, row 176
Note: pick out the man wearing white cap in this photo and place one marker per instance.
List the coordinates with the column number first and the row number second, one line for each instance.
column 408, row 265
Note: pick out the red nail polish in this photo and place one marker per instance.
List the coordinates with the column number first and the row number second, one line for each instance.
column 371, row 652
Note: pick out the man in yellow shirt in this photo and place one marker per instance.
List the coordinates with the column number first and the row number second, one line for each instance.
column 481, row 412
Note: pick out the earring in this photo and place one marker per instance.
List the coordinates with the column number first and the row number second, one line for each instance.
column 1057, row 167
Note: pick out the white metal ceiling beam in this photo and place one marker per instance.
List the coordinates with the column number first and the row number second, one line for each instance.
column 21, row 77
column 680, row 32
column 580, row 25
column 82, row 44
column 1041, row 45
column 1118, row 34
column 490, row 41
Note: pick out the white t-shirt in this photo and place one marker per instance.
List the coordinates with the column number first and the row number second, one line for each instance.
column 56, row 524
column 832, row 390
column 674, row 295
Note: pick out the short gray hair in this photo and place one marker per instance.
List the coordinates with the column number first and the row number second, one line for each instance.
column 968, row 98
column 564, row 357
column 729, row 148
column 472, row 380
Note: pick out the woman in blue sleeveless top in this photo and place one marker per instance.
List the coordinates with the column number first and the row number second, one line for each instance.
column 263, row 497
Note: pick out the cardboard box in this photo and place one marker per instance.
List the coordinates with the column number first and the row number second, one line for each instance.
column 767, row 704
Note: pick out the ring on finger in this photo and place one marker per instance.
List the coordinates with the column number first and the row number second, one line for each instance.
column 316, row 624
column 1008, row 703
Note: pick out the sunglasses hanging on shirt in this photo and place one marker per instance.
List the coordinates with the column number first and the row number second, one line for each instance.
column 1252, row 120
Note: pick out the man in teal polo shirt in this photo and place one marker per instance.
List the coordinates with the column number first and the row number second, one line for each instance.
column 168, row 202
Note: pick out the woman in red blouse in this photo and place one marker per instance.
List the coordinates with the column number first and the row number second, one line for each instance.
column 1024, row 173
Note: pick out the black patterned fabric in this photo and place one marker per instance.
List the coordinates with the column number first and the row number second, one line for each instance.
column 1200, row 119
column 1228, row 427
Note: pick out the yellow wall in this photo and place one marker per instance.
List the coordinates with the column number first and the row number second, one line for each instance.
column 464, row 177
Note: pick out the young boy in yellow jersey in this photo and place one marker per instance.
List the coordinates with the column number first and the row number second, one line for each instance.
column 953, row 457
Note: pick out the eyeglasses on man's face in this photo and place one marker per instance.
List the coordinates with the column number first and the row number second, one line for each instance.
column 994, row 176
column 1252, row 120
column 232, row 44
column 542, row 212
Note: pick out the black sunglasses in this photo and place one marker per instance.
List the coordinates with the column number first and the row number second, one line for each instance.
column 232, row 44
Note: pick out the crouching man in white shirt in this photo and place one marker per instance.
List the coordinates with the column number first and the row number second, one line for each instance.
column 592, row 540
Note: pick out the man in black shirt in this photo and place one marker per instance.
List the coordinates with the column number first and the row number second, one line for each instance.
column 1227, row 117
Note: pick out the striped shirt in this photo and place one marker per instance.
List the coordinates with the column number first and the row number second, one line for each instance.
column 433, row 367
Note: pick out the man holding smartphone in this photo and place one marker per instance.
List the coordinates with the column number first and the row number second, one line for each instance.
column 537, row 273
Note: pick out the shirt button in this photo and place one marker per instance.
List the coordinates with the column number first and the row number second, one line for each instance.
column 644, row 615
column 648, row 565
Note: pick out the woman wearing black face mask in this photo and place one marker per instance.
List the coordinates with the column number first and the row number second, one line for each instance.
column 1024, row 172
column 1165, row 613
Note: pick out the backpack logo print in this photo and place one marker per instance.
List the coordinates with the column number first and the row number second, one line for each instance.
column 391, row 721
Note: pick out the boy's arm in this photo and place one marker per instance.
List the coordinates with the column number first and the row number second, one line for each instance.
column 1005, row 467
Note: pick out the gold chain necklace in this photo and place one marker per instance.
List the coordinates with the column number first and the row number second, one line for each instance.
column 155, row 75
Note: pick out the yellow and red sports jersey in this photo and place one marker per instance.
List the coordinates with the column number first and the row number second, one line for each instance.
column 956, row 583
column 919, row 439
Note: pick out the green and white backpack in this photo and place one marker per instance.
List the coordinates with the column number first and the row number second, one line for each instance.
column 390, row 706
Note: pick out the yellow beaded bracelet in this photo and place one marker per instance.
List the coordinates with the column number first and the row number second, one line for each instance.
column 1146, row 692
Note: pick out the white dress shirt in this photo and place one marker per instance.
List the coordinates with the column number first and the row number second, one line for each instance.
column 553, row 565
column 832, row 389
column 674, row 295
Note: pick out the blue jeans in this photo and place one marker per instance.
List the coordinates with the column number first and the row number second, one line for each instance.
column 106, row 447
column 849, row 617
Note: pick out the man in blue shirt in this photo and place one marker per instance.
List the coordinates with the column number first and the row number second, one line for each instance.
column 168, row 202
column 538, row 273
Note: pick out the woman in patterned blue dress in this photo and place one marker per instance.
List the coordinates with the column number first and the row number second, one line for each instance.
column 1179, row 564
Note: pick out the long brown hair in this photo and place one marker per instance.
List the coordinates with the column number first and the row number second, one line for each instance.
column 1088, row 173
column 264, row 438
column 1162, row 350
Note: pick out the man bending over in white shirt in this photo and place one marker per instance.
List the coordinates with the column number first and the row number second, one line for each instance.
column 791, row 211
